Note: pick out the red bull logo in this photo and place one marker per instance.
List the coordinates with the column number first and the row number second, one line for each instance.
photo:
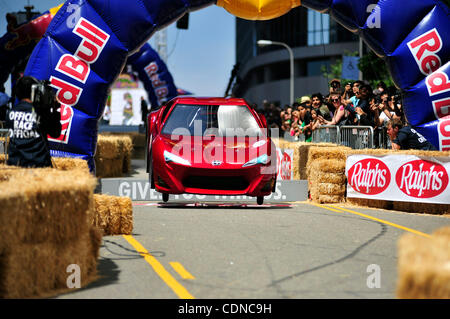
column 158, row 85
column 77, row 67
column 424, row 49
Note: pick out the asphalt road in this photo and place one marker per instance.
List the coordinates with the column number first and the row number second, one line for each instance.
column 245, row 252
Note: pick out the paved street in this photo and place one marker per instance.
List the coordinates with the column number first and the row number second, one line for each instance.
column 236, row 251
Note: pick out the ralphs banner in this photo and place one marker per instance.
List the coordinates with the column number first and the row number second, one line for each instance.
column 285, row 167
column 406, row 178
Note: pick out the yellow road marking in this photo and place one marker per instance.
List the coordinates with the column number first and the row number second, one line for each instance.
column 179, row 290
column 181, row 270
column 340, row 210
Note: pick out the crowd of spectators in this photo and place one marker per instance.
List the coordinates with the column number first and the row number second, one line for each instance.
column 356, row 104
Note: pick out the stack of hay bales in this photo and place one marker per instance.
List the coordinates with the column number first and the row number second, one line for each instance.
column 114, row 214
column 326, row 174
column 413, row 207
column 113, row 156
column 46, row 225
column 424, row 266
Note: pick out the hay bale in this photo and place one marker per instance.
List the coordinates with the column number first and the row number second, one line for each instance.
column 335, row 156
column 46, row 224
column 326, row 179
column 68, row 163
column 126, row 216
column 107, row 147
column 303, row 151
column 38, row 270
column 333, row 177
column 105, row 167
column 138, row 141
column 113, row 155
column 127, row 148
column 424, row 266
column 60, row 202
column 338, row 152
column 113, row 214
column 331, row 189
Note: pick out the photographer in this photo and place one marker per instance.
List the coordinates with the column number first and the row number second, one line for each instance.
column 404, row 137
column 29, row 121
column 335, row 86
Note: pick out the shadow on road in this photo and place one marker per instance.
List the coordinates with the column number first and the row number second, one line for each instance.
column 214, row 205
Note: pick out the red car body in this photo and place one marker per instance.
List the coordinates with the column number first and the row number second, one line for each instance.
column 198, row 146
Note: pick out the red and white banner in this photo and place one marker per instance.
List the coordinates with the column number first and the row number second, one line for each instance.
column 406, row 178
column 285, row 167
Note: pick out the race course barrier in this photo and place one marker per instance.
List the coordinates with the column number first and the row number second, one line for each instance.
column 46, row 225
column 50, row 219
column 113, row 155
column 332, row 161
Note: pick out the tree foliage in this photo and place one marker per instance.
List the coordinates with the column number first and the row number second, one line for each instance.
column 374, row 69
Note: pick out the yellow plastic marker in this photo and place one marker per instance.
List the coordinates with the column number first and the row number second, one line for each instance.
column 258, row 9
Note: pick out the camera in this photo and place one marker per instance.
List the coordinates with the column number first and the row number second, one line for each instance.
column 378, row 100
column 43, row 96
column 397, row 99
column 335, row 85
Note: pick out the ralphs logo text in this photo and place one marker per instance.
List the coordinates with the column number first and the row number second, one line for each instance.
column 369, row 176
column 422, row 179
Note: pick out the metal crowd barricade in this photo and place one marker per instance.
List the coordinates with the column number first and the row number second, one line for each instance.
column 326, row 134
column 382, row 138
column 287, row 136
column 357, row 137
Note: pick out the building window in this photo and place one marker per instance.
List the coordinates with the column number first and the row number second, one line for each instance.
column 317, row 67
column 318, row 28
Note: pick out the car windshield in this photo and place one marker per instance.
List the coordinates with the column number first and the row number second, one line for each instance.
column 220, row 120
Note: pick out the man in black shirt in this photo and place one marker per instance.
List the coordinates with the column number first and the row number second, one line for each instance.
column 29, row 126
column 407, row 138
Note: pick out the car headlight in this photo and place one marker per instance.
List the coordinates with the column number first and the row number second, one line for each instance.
column 263, row 159
column 169, row 157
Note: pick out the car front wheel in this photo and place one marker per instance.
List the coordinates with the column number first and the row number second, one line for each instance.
column 260, row 200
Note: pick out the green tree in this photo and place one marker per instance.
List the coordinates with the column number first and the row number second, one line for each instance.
column 374, row 69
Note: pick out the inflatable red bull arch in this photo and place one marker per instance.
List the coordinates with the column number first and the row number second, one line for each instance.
column 88, row 42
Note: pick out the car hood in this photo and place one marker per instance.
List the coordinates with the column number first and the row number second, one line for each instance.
column 216, row 150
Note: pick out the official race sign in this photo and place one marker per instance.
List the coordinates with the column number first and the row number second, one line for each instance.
column 406, row 178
